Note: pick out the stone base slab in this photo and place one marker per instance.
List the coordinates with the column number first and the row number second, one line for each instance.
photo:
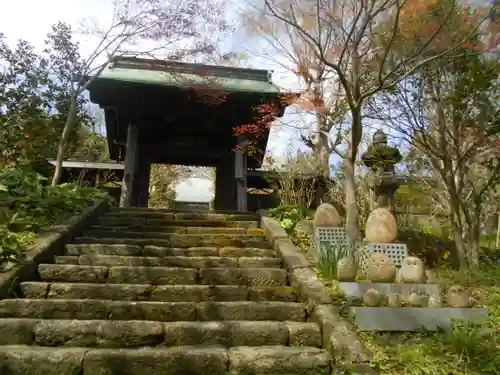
column 357, row 289
column 411, row 319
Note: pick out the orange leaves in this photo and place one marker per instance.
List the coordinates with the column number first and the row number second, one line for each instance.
column 437, row 25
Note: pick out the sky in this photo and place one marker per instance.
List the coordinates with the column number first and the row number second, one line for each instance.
column 31, row 20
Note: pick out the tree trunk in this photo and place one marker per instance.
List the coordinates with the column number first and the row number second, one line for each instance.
column 352, row 217
column 63, row 142
column 497, row 241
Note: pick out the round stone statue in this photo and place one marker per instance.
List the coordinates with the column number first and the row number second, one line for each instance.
column 346, row 269
column 414, row 300
column 412, row 271
column 326, row 215
column 458, row 296
column 372, row 298
column 381, row 226
column 380, row 268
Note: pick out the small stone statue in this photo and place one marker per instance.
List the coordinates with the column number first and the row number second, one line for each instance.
column 346, row 269
column 435, row 301
column 414, row 300
column 372, row 298
column 458, row 296
column 393, row 300
column 412, row 271
column 381, row 226
column 380, row 269
column 326, row 215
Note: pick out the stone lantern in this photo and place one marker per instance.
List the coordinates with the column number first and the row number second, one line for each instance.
column 381, row 159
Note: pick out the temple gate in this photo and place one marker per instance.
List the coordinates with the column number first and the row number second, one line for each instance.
column 180, row 113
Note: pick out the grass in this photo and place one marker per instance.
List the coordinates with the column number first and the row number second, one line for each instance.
column 466, row 349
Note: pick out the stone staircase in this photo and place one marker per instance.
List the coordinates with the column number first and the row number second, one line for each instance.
column 162, row 292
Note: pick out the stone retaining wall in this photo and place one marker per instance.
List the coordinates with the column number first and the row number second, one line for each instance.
column 339, row 335
column 46, row 246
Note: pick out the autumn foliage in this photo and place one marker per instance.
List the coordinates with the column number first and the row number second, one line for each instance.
column 440, row 25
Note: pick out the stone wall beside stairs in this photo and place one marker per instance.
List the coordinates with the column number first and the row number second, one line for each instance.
column 339, row 335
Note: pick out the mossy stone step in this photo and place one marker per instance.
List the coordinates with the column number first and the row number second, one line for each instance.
column 118, row 334
column 181, row 360
column 178, row 261
column 139, row 221
column 161, row 293
column 174, row 229
column 182, row 215
column 162, row 275
column 199, row 236
column 161, row 251
column 87, row 309
column 182, row 240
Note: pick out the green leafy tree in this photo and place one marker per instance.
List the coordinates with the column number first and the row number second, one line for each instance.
column 33, row 104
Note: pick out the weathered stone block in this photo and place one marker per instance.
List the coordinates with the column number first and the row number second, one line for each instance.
column 54, row 309
column 310, row 288
column 66, row 259
column 152, row 275
column 168, row 261
column 258, row 262
column 304, row 334
column 292, row 257
column 156, row 361
column 272, row 229
column 26, row 360
column 198, row 293
column 157, row 311
column 272, row 293
column 226, row 333
column 124, row 292
column 291, row 360
column 73, row 273
column 17, row 331
column 156, row 251
column 238, row 252
column 262, row 310
column 103, row 249
column 98, row 333
column 408, row 319
column 243, row 276
column 339, row 336
column 215, row 230
column 34, row 289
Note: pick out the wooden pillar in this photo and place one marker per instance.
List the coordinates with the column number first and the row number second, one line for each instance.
column 224, row 184
column 129, row 174
column 240, row 175
column 142, row 180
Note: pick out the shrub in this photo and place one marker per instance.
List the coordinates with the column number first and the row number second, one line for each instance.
column 28, row 205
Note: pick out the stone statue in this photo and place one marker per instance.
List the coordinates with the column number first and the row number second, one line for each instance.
column 381, row 159
column 412, row 271
column 458, row 296
column 380, row 268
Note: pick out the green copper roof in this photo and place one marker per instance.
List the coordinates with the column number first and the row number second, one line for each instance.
column 175, row 74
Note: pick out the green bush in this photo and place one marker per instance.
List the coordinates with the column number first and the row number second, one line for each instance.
column 289, row 216
column 28, row 205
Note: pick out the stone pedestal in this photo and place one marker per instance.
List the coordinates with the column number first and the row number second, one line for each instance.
column 411, row 319
column 396, row 251
column 384, row 187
